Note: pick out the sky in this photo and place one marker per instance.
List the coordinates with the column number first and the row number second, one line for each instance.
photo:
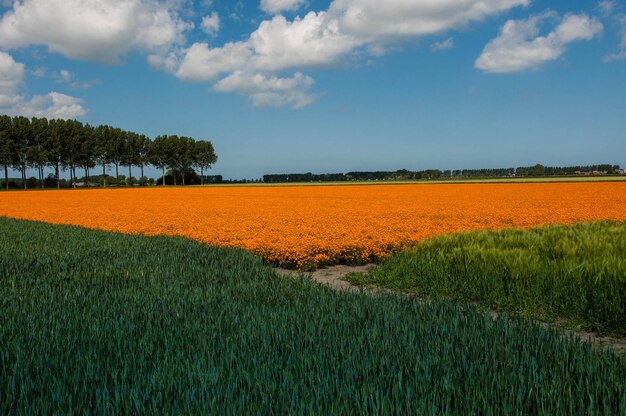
column 281, row 86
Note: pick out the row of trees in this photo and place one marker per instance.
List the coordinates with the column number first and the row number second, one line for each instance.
column 58, row 144
column 403, row 174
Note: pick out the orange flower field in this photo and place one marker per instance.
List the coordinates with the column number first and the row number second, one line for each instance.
column 313, row 226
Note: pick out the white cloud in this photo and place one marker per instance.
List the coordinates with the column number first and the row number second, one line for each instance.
column 519, row 46
column 11, row 75
column 52, row 105
column 443, row 45
column 606, row 7
column 211, row 24
column 66, row 77
column 319, row 39
column 401, row 18
column 577, row 27
column 277, row 44
column 614, row 57
column 312, row 41
column 106, row 29
column 269, row 91
column 201, row 63
column 279, row 6
column 39, row 72
column 100, row 30
column 614, row 10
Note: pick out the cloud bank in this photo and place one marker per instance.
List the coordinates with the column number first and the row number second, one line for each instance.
column 318, row 40
column 267, row 66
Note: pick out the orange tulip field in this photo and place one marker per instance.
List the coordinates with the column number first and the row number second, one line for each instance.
column 313, row 226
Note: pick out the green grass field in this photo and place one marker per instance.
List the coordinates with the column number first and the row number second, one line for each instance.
column 101, row 323
column 577, row 272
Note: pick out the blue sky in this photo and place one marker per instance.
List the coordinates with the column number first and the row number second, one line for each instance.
column 285, row 86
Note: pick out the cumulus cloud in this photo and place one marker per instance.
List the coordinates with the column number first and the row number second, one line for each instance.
column 269, row 91
column 279, row 6
column 519, row 45
column 320, row 39
column 401, row 18
column 104, row 30
column 11, row 75
column 94, row 30
column 443, row 45
column 201, row 63
column 211, row 24
column 51, row 105
column 277, row 45
column 312, row 41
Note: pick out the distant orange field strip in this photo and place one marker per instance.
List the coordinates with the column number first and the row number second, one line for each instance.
column 314, row 226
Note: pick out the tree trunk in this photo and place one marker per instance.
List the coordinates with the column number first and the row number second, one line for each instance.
column 130, row 173
column 141, row 180
column 24, row 174
column 41, row 176
column 201, row 175
column 104, row 174
column 183, row 178
column 86, row 177
column 73, row 172
column 6, row 175
column 163, row 175
column 56, row 171
column 117, row 173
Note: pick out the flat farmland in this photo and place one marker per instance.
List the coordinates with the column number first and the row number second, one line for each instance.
column 305, row 227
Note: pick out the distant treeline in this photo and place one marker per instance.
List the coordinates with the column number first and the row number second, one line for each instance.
column 403, row 174
column 58, row 145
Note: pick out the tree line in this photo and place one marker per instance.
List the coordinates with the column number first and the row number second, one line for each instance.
column 59, row 144
column 404, row 174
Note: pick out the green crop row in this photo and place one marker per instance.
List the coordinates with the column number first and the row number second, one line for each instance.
column 100, row 323
column 575, row 272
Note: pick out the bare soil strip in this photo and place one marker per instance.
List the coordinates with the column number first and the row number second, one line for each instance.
column 332, row 277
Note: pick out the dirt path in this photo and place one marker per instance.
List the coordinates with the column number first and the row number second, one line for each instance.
column 332, row 277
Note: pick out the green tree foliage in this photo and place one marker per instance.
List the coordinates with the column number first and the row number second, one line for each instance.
column 203, row 157
column 183, row 155
column 87, row 150
column 37, row 153
column 103, row 137
column 21, row 134
column 143, row 144
column 69, row 144
column 54, row 147
column 7, row 146
column 157, row 154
